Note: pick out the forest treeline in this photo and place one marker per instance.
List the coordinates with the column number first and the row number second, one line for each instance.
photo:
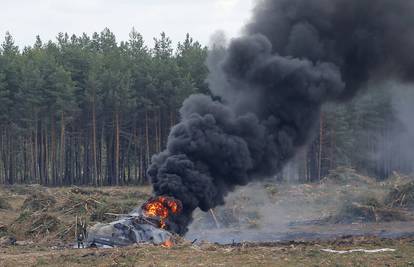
column 369, row 134
column 89, row 110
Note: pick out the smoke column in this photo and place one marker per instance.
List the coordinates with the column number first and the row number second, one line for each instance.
column 294, row 56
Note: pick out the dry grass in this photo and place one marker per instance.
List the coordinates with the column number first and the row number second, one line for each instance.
column 293, row 254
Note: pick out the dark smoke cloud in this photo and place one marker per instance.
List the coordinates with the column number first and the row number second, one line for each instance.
column 295, row 56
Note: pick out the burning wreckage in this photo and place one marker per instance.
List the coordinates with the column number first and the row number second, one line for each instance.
column 148, row 224
column 269, row 87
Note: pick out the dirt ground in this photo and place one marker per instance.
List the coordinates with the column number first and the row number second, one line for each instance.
column 38, row 226
column 289, row 254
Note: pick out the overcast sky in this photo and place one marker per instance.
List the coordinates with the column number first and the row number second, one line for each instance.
column 27, row 18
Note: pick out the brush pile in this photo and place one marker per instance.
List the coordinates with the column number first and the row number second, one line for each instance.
column 39, row 202
column 95, row 204
column 368, row 210
column 53, row 215
column 43, row 224
column 35, row 224
column 345, row 175
column 402, row 196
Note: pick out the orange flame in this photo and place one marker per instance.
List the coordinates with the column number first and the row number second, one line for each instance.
column 168, row 244
column 162, row 208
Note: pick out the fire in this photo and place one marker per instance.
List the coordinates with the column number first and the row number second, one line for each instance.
column 168, row 244
column 162, row 208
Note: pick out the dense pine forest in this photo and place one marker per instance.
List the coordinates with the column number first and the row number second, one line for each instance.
column 90, row 110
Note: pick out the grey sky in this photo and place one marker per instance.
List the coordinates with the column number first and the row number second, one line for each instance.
column 27, row 18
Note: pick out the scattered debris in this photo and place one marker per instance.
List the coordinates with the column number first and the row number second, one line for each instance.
column 37, row 224
column 106, row 211
column 243, row 211
column 47, row 215
column 402, row 196
column 124, row 232
column 148, row 224
column 369, row 210
column 43, row 223
column 24, row 243
column 7, row 241
column 39, row 202
column 95, row 205
column 359, row 250
column 79, row 204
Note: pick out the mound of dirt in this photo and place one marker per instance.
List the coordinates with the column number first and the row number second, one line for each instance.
column 38, row 202
column 401, row 196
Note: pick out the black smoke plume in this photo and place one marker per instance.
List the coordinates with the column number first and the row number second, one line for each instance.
column 294, row 56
